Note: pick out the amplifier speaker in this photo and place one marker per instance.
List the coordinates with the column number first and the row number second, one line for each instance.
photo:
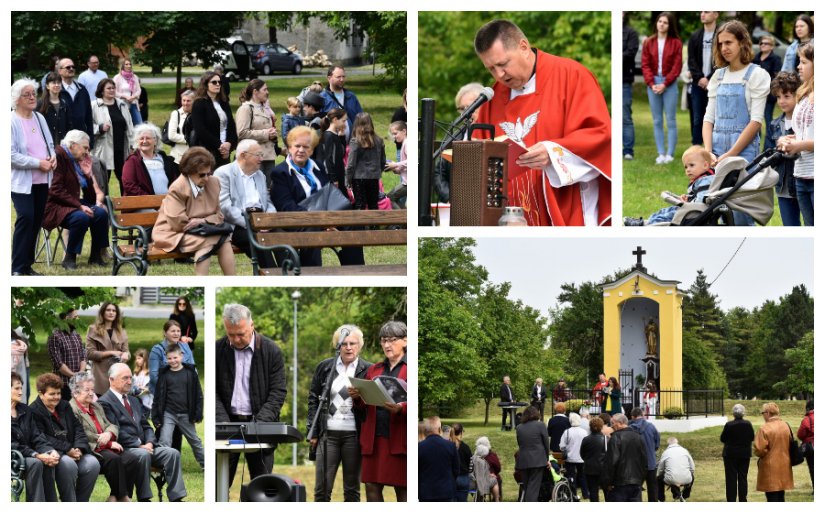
column 478, row 183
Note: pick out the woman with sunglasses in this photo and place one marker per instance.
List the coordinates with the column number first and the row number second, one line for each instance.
column 211, row 119
column 185, row 316
column 192, row 201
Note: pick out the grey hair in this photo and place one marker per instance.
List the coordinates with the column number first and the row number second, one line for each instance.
column 575, row 419
column 472, row 87
column 432, row 426
column 74, row 137
column 218, row 68
column 243, row 146
column 115, row 368
column 78, row 380
column 620, row 418
column 393, row 329
column 672, row 440
column 353, row 330
column 17, row 90
column 147, row 127
column 234, row 313
column 738, row 411
column 188, row 92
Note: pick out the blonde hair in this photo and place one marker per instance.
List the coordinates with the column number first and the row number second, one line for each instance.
column 292, row 101
column 697, row 150
column 299, row 131
column 806, row 50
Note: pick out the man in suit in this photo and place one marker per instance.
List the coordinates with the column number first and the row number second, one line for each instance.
column 538, row 395
column 250, row 382
column 137, row 437
column 77, row 98
column 243, row 188
column 533, row 450
column 438, row 465
column 506, row 396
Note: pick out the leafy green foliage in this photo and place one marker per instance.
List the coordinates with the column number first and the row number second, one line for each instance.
column 800, row 376
column 36, row 309
column 447, row 59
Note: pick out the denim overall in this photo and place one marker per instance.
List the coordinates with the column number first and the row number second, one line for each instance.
column 732, row 116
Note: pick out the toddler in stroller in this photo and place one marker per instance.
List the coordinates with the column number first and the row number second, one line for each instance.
column 736, row 186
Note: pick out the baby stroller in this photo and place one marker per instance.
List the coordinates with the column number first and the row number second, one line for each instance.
column 736, row 186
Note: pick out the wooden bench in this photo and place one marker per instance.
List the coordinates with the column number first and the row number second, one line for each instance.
column 131, row 243
column 379, row 228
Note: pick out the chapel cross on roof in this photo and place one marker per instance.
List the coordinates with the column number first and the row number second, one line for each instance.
column 639, row 252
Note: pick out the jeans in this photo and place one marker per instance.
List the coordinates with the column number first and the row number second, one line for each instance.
column 628, row 131
column 789, row 211
column 736, row 478
column 342, row 448
column 135, row 112
column 698, row 106
column 78, row 222
column 664, row 103
column 29, row 209
column 664, row 215
column 462, row 487
column 187, row 428
column 805, row 197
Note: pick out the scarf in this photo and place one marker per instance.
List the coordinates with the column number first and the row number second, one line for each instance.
column 80, row 176
column 313, row 184
column 129, row 76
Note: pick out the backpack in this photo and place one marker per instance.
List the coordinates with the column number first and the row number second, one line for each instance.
column 164, row 132
column 189, row 131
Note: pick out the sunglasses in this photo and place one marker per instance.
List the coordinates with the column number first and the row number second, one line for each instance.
column 204, row 175
column 215, row 82
column 68, row 67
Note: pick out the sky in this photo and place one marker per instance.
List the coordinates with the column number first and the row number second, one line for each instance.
column 763, row 269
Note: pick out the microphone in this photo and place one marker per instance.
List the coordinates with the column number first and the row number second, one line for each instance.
column 485, row 96
column 344, row 334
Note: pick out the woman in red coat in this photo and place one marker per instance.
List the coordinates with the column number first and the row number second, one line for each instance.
column 384, row 432
column 75, row 201
column 806, row 436
column 661, row 65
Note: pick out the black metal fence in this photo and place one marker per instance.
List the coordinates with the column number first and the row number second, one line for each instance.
column 663, row 404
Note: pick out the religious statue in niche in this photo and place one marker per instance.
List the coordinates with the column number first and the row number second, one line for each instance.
column 650, row 335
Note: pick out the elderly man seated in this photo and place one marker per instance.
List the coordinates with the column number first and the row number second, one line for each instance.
column 676, row 470
column 243, row 188
column 137, row 437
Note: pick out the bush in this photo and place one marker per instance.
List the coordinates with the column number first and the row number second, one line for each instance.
column 674, row 412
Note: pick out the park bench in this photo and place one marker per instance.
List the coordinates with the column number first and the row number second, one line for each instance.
column 131, row 226
column 269, row 231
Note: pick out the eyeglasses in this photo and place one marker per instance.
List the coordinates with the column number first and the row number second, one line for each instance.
column 258, row 154
column 215, row 82
column 182, row 303
column 68, row 67
column 390, row 340
column 204, row 175
column 29, row 95
column 765, row 44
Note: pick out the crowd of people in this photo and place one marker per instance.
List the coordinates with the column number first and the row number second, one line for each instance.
column 369, row 442
column 92, row 413
column 732, row 93
column 67, row 143
column 603, row 451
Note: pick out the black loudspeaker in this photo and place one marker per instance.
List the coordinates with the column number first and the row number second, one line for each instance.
column 273, row 488
column 478, row 183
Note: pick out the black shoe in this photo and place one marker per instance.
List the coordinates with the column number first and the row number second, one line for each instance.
column 634, row 221
column 69, row 262
column 97, row 261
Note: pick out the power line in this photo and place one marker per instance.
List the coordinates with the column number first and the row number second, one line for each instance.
column 729, row 261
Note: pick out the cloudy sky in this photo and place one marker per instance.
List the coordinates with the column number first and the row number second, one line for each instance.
column 763, row 269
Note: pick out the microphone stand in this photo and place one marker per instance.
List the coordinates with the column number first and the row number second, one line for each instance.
column 323, row 405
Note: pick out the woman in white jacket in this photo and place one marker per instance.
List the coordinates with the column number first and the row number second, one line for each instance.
column 571, row 443
column 176, row 120
column 113, row 129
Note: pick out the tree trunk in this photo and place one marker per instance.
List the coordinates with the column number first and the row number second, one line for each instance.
column 486, row 410
column 178, row 76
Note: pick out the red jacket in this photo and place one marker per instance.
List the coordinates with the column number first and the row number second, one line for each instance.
column 136, row 180
column 398, row 422
column 65, row 191
column 806, row 429
column 671, row 60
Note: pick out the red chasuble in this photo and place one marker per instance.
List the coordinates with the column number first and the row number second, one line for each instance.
column 571, row 112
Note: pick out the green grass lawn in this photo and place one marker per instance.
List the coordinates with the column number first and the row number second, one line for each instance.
column 143, row 333
column 643, row 180
column 378, row 101
column 703, row 445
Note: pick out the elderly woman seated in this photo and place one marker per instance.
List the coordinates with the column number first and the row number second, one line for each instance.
column 148, row 170
column 76, row 201
column 190, row 218
column 77, row 470
column 41, row 458
column 120, row 467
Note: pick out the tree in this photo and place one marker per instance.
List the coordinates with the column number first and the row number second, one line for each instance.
column 800, row 378
column 448, row 61
column 39, row 306
column 577, row 327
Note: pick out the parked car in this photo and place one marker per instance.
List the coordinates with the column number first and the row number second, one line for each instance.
column 236, row 59
column 269, row 57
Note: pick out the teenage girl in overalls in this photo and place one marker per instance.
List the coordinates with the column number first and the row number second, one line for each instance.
column 733, row 118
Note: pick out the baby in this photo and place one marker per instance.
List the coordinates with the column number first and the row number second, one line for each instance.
column 697, row 168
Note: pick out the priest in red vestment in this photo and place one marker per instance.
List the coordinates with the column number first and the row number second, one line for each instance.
column 554, row 108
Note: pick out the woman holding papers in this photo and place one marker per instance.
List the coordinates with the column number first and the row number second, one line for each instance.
column 336, row 434
column 384, row 431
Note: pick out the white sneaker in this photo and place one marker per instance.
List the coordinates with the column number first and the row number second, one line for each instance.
column 668, row 159
column 628, row 156
column 660, row 159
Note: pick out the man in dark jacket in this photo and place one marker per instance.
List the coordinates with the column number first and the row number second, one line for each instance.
column 250, row 382
column 505, row 393
column 77, row 98
column 625, row 463
column 78, row 469
column 557, row 425
column 650, row 436
column 136, row 436
column 700, row 65
column 437, row 465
